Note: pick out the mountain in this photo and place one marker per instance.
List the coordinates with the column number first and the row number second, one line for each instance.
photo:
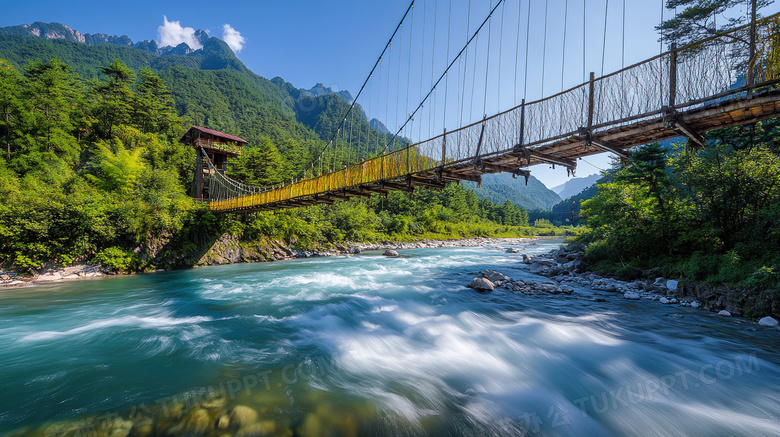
column 572, row 187
column 53, row 31
column 321, row 90
column 498, row 188
column 561, row 213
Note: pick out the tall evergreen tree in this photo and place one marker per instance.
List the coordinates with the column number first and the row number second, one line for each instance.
column 116, row 97
column 10, row 86
column 155, row 111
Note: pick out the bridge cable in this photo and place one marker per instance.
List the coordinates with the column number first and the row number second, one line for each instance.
column 517, row 44
column 335, row 135
column 544, row 47
column 584, row 37
column 409, row 71
column 527, row 45
column 487, row 66
column 623, row 57
column 565, row 28
column 452, row 63
column 604, row 44
column 462, row 97
column 432, row 108
column 422, row 63
column 397, row 121
column 500, row 58
column 447, row 79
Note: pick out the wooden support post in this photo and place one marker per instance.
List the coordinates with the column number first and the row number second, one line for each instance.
column 521, row 143
column 444, row 148
column 591, row 98
column 673, row 77
column 479, row 144
column 751, row 79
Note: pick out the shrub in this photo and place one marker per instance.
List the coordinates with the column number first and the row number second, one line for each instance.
column 118, row 260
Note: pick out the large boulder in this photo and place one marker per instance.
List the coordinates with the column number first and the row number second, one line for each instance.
column 482, row 284
column 391, row 254
column 672, row 285
column 494, row 276
column 768, row 322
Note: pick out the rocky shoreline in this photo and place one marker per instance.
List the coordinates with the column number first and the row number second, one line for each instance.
column 565, row 269
column 228, row 250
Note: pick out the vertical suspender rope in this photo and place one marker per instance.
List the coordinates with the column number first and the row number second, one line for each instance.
column 604, row 44
column 465, row 64
column 432, row 108
column 487, row 64
column 565, row 27
column 527, row 45
column 422, row 65
column 447, row 78
column 409, row 69
column 544, row 46
column 623, row 57
column 500, row 58
column 517, row 45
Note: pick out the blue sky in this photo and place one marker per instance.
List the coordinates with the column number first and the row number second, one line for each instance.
column 337, row 42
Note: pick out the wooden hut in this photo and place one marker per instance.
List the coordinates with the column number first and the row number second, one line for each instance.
column 219, row 148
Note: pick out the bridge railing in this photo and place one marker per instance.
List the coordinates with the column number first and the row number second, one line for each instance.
column 699, row 74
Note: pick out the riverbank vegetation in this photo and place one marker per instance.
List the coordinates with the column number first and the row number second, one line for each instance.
column 709, row 215
column 93, row 171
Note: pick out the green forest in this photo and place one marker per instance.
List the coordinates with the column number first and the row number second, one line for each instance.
column 709, row 215
column 92, row 170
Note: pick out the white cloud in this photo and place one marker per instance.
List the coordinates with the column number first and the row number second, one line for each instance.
column 171, row 33
column 233, row 38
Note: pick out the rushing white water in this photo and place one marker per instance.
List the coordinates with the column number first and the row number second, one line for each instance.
column 379, row 346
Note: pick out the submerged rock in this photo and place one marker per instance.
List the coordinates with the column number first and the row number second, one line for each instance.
column 482, row 284
column 768, row 322
column 242, row 416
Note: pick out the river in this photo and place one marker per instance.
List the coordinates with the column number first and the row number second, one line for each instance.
column 367, row 345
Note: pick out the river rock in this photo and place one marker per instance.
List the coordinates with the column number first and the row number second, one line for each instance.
column 664, row 301
column 391, row 254
column 512, row 250
column 196, row 422
column 724, row 313
column 632, row 296
column 768, row 322
column 672, row 285
column 527, row 259
column 242, row 416
column 695, row 304
column 482, row 284
column 494, row 276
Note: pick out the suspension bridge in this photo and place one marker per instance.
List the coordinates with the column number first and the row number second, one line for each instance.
column 730, row 79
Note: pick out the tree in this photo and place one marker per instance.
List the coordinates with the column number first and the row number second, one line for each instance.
column 647, row 167
column 115, row 97
column 261, row 165
column 700, row 19
column 155, row 110
column 53, row 94
column 10, row 87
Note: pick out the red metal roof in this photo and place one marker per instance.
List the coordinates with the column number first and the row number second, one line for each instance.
column 219, row 134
